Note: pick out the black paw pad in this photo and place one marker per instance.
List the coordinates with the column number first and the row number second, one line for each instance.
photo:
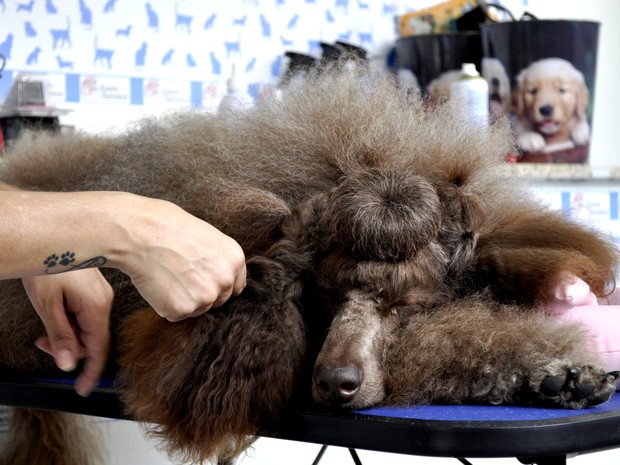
column 583, row 389
column 552, row 385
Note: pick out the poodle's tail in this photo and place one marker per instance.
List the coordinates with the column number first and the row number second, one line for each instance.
column 36, row 437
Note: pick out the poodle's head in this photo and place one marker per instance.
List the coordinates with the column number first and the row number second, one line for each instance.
column 380, row 254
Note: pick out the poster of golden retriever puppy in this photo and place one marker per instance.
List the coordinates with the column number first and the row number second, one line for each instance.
column 550, row 104
column 551, row 70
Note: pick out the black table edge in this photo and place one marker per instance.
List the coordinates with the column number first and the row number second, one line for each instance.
column 439, row 438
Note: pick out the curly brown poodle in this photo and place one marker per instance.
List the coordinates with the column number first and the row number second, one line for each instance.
column 392, row 259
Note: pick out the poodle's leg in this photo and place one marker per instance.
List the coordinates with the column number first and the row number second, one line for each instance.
column 473, row 350
column 50, row 438
column 211, row 382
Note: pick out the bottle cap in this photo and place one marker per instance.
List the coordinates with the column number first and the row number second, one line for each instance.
column 469, row 69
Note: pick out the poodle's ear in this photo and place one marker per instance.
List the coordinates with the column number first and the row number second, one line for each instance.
column 384, row 215
column 207, row 384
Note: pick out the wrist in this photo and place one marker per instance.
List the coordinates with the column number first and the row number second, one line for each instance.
column 134, row 224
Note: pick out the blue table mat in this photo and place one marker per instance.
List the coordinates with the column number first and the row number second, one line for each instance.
column 488, row 412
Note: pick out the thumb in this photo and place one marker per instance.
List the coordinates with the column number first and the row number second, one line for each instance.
column 64, row 358
column 62, row 341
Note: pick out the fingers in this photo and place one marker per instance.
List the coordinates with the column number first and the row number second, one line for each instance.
column 222, row 298
column 236, row 285
column 93, row 317
column 43, row 344
column 75, row 309
column 199, row 312
column 182, row 266
column 225, row 293
column 93, row 366
column 240, row 280
column 96, row 346
column 190, row 295
column 62, row 341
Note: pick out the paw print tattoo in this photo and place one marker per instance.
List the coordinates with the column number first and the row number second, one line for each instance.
column 65, row 259
column 51, row 261
column 65, row 262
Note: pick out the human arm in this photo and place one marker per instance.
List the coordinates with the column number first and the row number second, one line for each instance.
column 181, row 265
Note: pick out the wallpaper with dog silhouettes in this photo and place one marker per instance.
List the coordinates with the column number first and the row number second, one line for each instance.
column 177, row 51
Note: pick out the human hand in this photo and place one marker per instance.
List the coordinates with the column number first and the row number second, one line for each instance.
column 181, row 265
column 75, row 310
column 569, row 293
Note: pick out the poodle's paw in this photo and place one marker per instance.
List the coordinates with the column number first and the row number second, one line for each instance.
column 572, row 387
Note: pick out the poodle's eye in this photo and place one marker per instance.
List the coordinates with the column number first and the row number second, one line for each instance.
column 404, row 310
column 563, row 90
column 379, row 296
column 532, row 90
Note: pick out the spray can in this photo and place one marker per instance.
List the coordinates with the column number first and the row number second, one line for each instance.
column 469, row 96
column 235, row 99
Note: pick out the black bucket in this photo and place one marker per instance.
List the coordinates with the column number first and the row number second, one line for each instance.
column 429, row 57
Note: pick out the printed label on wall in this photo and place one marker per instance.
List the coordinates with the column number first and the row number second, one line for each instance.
column 168, row 93
column 594, row 205
column 102, row 89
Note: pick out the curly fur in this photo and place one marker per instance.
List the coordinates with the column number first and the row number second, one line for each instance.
column 391, row 259
column 55, row 431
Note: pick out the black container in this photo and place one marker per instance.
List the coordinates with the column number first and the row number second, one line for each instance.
column 429, row 56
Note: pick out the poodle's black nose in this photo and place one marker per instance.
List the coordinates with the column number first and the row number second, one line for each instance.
column 337, row 385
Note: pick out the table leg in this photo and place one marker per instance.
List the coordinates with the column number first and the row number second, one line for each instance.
column 545, row 460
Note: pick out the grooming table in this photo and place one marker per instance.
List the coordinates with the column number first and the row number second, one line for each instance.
column 533, row 435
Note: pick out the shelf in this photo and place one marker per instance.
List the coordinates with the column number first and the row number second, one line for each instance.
column 566, row 172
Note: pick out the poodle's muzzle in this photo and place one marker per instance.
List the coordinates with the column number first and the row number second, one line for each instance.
column 348, row 371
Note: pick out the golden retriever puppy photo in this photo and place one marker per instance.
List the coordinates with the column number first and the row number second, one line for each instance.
column 550, row 103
